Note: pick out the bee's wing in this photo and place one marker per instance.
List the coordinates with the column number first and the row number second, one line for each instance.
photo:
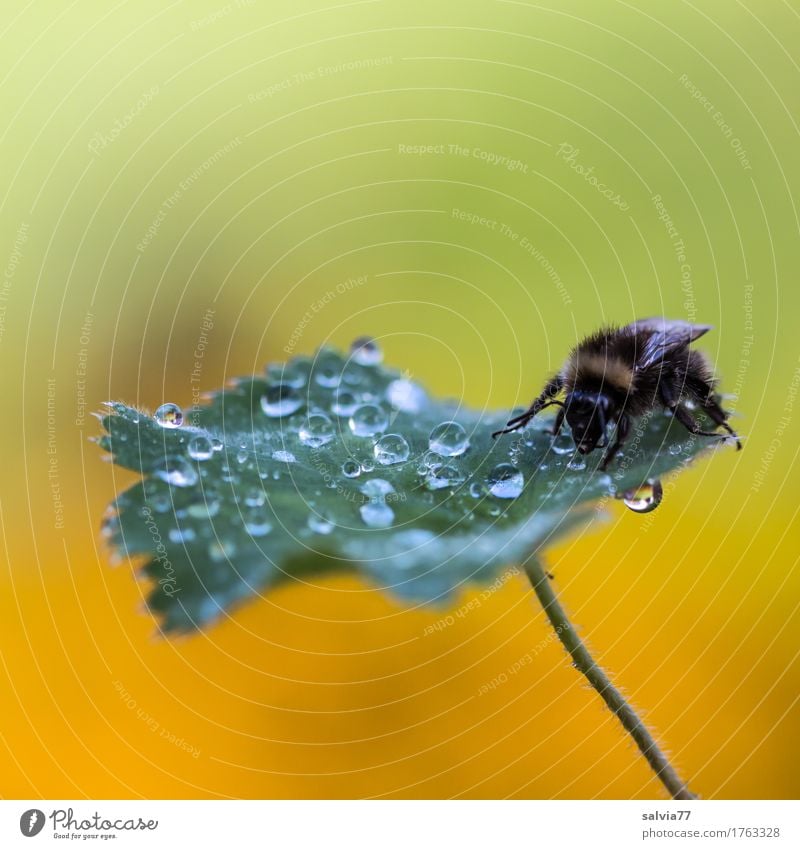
column 666, row 335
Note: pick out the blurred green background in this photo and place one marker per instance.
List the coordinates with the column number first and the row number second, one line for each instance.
column 477, row 184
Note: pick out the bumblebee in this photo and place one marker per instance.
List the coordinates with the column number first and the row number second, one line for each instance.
column 619, row 374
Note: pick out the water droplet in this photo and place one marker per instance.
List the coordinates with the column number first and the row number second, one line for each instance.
column 220, row 551
column 316, row 431
column 443, row 475
column 327, row 369
column 675, row 449
column 203, row 509
column 255, row 497
column 241, row 456
column 179, row 472
column 494, row 510
column 576, row 464
column 505, row 481
column 169, row 415
column 390, row 449
column 281, row 400
column 181, row 535
column 256, row 523
column 448, row 439
column 366, row 351
column 405, row 395
column 217, row 444
column 368, row 420
column 377, row 488
column 293, row 373
column 283, row 457
column 160, row 502
column 319, row 525
column 351, row 469
column 200, row 448
column 367, row 466
column 475, row 490
column 563, row 443
column 344, row 403
column 377, row 514
column 645, row 498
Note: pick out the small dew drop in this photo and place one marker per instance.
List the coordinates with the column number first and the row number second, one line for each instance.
column 179, row 472
column 255, row 497
column 181, row 536
column 203, row 509
column 405, row 395
column 377, row 488
column 576, row 464
column 327, row 370
column 449, row 439
column 256, row 525
column 351, row 469
column 367, row 466
column 160, row 502
column 377, row 514
column 475, row 490
column 675, row 449
column 200, row 448
column 216, row 444
column 390, row 449
column 241, row 456
column 292, row 374
column 344, row 403
column 169, row 415
column 366, row 351
column 316, row 431
column 505, row 481
column 220, row 551
column 319, row 525
column 368, row 420
column 644, row 499
column 281, row 400
column 442, row 476
column 283, row 457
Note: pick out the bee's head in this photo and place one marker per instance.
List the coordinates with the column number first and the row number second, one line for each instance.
column 587, row 415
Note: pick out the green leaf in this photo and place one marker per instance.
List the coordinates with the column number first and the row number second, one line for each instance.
column 282, row 477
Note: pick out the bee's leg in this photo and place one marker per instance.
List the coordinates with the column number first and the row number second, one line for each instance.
column 688, row 421
column 545, row 399
column 720, row 417
column 559, row 420
column 620, row 435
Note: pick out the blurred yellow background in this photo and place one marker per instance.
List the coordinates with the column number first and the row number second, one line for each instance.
column 495, row 179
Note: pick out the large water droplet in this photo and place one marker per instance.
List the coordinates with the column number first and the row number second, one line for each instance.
column 368, row 420
column 443, row 475
column 405, row 395
column 390, row 449
column 448, row 439
column 377, row 488
column 505, row 481
column 644, row 498
column 377, row 514
column 179, row 472
column 283, row 457
column 316, row 430
column 200, row 448
column 366, row 351
column 169, row 415
column 281, row 400
column 351, row 469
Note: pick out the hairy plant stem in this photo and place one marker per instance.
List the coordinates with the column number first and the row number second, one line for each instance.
column 595, row 675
